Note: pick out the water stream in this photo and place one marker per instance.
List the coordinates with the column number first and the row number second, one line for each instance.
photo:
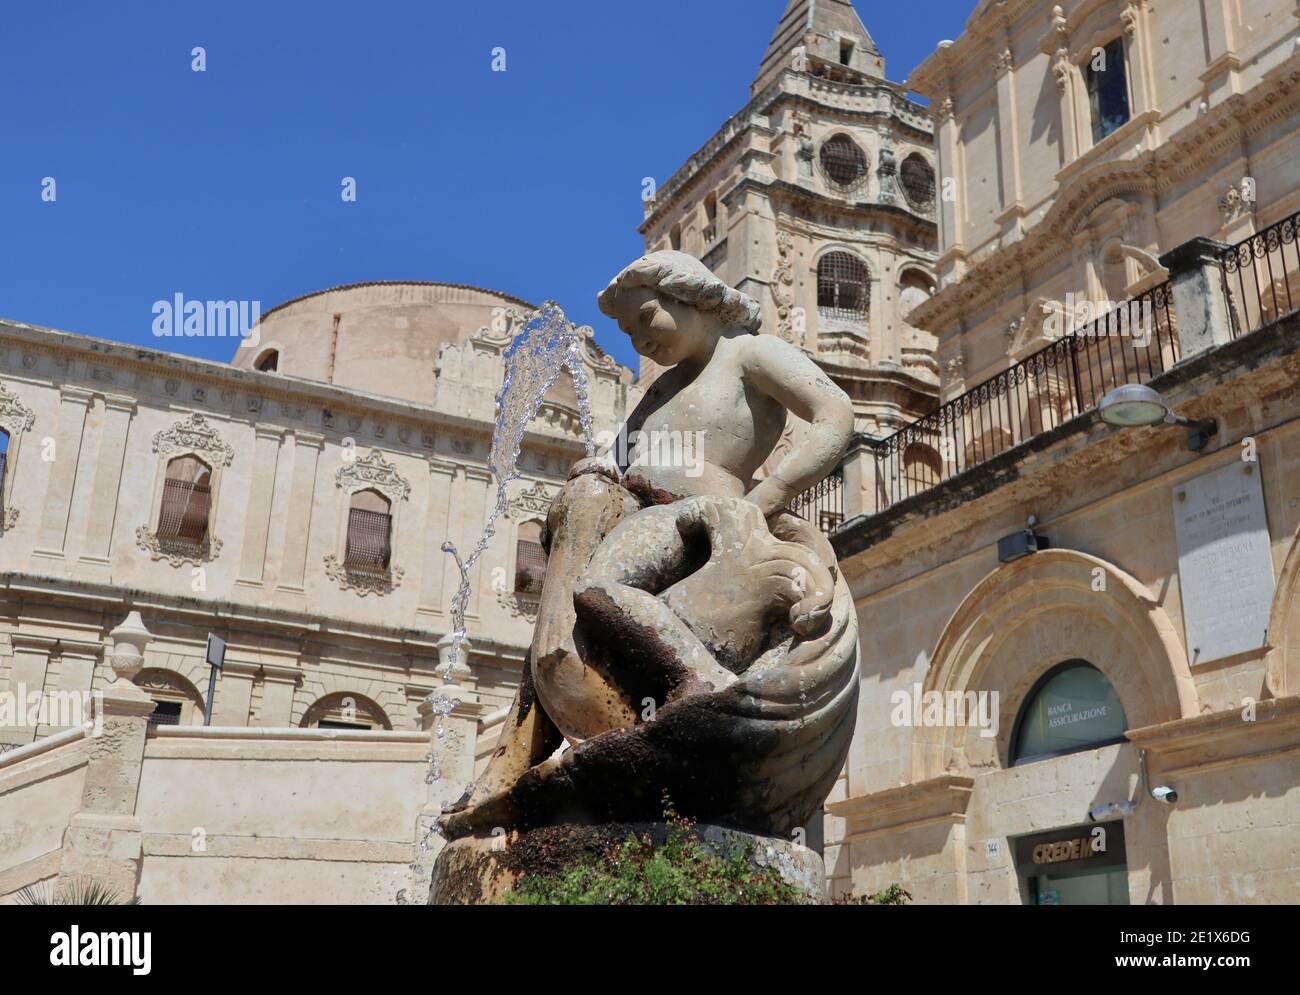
column 547, row 345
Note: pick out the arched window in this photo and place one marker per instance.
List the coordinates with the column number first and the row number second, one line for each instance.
column 843, row 287
column 268, row 362
column 176, row 700
column 345, row 710
column 710, row 218
column 530, row 559
column 1071, row 708
column 844, row 164
column 918, row 182
column 370, row 533
column 922, row 467
column 186, row 504
column 675, row 237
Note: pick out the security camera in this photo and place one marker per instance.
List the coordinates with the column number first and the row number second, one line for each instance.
column 1100, row 812
column 1164, row 794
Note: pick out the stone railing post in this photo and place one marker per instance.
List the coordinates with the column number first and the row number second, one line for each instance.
column 1200, row 305
column 103, row 840
column 860, row 490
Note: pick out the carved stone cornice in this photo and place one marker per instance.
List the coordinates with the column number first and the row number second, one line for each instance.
column 533, row 502
column 194, row 435
column 363, row 582
column 15, row 417
column 519, row 605
column 177, row 554
column 373, row 472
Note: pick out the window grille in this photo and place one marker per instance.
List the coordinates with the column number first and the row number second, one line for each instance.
column 918, row 182
column 530, row 567
column 166, row 713
column 844, row 164
column 184, row 515
column 369, row 546
column 843, row 287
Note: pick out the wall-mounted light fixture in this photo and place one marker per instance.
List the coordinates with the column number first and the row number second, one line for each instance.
column 1022, row 543
column 1137, row 405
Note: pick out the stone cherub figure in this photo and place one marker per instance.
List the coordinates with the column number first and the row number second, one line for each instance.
column 694, row 637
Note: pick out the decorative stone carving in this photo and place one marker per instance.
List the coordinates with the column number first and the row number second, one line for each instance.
column 363, row 582
column 520, row 605
column 887, row 171
column 373, row 472
column 176, row 554
column 194, row 435
column 1238, row 202
column 534, row 502
column 15, row 417
column 1129, row 18
column 1003, row 63
column 782, row 280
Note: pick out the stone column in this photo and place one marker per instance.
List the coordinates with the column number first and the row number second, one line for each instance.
column 27, row 679
column 108, row 484
column 949, row 186
column 478, row 497
column 257, row 526
column 1200, row 305
column 1009, row 142
column 103, row 840
column 302, row 495
column 73, row 404
column 434, row 594
column 234, row 693
column 278, row 687
column 1136, row 34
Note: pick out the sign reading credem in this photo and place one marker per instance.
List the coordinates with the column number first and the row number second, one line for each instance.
column 1225, row 570
column 1076, row 849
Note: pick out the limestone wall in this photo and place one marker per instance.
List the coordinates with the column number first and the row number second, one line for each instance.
column 939, row 613
column 239, row 816
column 1037, row 212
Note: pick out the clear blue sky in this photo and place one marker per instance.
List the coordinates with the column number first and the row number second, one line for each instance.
column 226, row 184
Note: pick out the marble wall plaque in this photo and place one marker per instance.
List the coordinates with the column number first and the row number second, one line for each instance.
column 1225, row 568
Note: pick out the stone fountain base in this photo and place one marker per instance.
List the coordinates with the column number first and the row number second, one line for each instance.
column 480, row 870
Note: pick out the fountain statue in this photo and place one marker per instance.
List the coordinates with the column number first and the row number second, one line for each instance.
column 694, row 638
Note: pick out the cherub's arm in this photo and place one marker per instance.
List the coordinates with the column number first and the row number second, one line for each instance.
column 786, row 374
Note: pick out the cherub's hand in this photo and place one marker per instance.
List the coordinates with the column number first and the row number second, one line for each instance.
column 466, row 815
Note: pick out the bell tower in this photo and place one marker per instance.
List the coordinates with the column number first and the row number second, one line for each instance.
column 817, row 198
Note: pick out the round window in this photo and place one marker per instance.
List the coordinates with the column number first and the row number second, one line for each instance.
column 843, row 162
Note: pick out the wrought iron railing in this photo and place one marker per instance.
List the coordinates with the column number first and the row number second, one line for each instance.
column 1261, row 276
column 1130, row 344
column 370, row 541
column 823, row 504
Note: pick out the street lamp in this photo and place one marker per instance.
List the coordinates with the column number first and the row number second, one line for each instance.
column 1137, row 405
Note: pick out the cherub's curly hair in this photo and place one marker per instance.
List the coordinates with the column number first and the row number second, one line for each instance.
column 687, row 280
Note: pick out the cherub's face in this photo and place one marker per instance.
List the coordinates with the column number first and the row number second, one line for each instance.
column 662, row 330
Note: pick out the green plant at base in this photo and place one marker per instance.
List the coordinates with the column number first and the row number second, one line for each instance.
column 682, row 870
column 80, row 891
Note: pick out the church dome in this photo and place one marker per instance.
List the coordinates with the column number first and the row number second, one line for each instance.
column 381, row 337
